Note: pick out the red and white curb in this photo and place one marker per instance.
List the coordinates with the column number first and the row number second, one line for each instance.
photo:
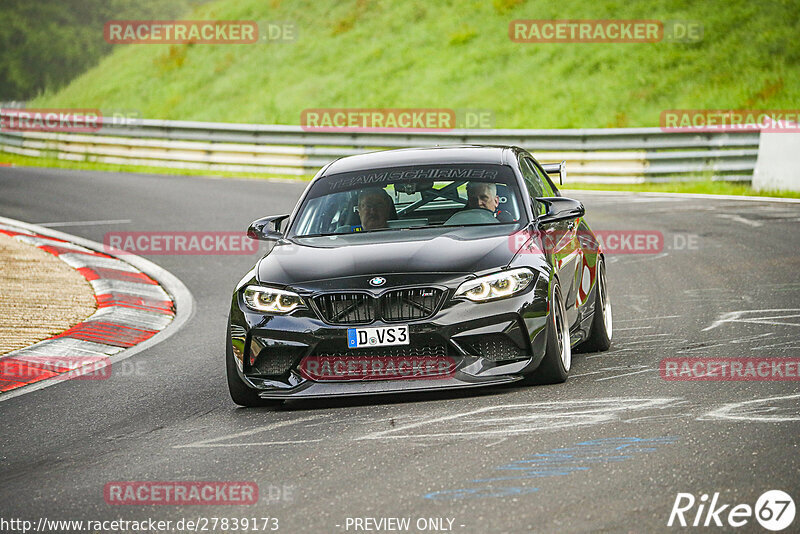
column 138, row 304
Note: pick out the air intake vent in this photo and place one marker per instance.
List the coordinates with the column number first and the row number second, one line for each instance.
column 410, row 304
column 276, row 361
column 403, row 351
column 493, row 347
column 346, row 308
column 395, row 306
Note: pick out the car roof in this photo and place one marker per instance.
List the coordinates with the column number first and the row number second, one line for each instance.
column 438, row 155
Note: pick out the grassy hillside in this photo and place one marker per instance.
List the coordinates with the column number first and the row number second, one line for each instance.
column 457, row 54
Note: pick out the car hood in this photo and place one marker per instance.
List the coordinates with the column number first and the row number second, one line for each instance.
column 418, row 256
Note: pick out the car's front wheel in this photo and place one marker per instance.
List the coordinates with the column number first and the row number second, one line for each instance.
column 240, row 392
column 557, row 361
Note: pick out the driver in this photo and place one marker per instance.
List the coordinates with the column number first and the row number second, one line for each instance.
column 374, row 208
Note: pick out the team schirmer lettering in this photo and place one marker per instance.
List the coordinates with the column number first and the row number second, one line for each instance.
column 411, row 174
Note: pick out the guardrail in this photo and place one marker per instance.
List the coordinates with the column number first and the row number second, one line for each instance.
column 608, row 155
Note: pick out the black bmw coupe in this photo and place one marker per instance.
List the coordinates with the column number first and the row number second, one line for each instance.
column 418, row 269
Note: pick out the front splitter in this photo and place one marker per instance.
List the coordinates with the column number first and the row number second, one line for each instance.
column 312, row 390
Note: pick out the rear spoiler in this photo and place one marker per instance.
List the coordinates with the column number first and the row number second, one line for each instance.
column 556, row 169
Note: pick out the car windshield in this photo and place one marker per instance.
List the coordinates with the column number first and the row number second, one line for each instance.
column 407, row 198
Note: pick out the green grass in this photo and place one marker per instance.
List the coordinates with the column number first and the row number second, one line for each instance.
column 704, row 187
column 456, row 54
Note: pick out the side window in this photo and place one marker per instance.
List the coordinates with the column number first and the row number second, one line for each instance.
column 547, row 187
column 532, row 180
column 537, row 183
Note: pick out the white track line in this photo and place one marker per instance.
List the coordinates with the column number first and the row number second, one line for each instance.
column 739, row 219
column 728, row 411
column 84, row 223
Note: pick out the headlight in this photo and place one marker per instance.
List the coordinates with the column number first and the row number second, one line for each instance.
column 495, row 286
column 267, row 299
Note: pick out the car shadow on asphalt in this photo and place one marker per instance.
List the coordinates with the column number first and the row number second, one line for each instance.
column 300, row 405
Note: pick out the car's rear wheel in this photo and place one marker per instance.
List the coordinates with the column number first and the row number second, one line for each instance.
column 603, row 322
column 557, row 361
column 241, row 393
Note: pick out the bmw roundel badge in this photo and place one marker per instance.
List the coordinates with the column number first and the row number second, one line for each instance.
column 377, row 281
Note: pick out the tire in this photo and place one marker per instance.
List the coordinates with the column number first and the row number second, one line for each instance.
column 241, row 393
column 557, row 360
column 602, row 321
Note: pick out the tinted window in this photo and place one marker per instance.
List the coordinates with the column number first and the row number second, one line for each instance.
column 537, row 183
column 412, row 197
column 532, row 180
column 548, row 190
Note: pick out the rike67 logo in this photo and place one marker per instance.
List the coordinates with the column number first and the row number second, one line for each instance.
column 774, row 510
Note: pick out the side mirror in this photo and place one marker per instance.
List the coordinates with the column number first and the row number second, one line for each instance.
column 560, row 209
column 267, row 228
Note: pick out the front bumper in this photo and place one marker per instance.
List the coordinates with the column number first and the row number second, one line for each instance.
column 489, row 344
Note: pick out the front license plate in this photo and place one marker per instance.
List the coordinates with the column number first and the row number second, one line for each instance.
column 377, row 337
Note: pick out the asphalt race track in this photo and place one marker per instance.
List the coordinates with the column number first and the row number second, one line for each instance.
column 725, row 284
